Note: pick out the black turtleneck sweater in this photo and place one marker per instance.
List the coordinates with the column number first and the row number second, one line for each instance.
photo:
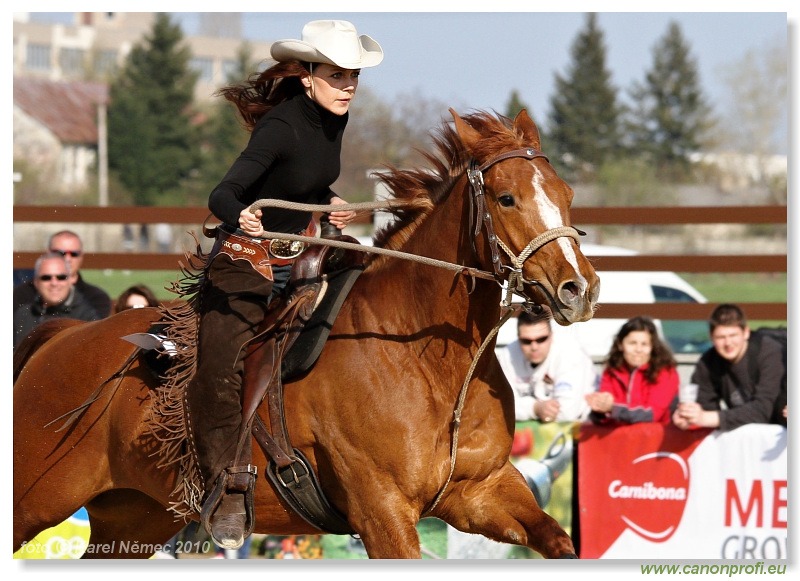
column 293, row 154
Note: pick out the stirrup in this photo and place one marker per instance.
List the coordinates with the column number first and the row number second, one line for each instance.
column 234, row 479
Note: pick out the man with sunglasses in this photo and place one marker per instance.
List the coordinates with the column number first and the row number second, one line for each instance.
column 549, row 375
column 55, row 297
column 68, row 244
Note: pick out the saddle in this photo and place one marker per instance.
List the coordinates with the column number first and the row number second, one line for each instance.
column 292, row 336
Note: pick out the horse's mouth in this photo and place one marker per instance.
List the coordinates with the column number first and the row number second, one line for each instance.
column 571, row 303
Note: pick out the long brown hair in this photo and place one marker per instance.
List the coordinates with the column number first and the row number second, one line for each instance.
column 660, row 357
column 262, row 91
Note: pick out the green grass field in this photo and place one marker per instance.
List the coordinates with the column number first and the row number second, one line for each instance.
column 114, row 282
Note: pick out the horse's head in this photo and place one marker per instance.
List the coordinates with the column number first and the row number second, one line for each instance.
column 523, row 210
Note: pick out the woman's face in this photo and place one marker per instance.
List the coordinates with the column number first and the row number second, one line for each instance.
column 636, row 348
column 136, row 302
column 332, row 87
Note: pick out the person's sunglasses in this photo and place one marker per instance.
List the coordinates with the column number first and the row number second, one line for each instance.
column 538, row 340
column 48, row 277
column 72, row 253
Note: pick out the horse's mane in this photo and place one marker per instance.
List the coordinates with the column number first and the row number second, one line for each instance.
column 447, row 160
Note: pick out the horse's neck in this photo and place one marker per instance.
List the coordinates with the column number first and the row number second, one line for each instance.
column 435, row 296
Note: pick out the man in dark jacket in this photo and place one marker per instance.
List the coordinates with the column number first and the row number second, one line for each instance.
column 728, row 396
column 55, row 297
column 69, row 245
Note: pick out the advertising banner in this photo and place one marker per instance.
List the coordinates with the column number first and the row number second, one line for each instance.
column 649, row 491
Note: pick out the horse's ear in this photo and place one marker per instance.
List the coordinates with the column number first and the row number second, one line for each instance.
column 467, row 134
column 524, row 124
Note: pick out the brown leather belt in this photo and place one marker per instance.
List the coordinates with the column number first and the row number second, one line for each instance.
column 261, row 252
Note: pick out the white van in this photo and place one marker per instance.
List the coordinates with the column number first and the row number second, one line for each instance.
column 597, row 335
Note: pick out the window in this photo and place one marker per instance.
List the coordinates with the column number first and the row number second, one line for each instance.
column 666, row 294
column 205, row 67
column 230, row 71
column 105, row 61
column 37, row 56
column 71, row 60
column 682, row 336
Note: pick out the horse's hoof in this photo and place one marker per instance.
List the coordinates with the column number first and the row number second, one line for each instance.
column 569, row 556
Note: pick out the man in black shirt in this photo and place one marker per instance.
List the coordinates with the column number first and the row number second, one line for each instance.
column 68, row 244
column 56, row 297
column 728, row 395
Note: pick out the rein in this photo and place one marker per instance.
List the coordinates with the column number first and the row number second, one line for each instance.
column 465, row 270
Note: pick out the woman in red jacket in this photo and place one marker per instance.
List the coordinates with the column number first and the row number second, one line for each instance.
column 640, row 379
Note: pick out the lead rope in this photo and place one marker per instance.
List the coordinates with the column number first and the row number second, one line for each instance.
column 462, row 396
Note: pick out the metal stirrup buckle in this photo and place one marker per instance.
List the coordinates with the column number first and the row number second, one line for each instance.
column 295, row 475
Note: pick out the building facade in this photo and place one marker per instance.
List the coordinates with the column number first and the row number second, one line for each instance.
column 61, row 75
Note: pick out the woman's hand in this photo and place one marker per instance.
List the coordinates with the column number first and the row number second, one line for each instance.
column 250, row 223
column 601, row 402
column 341, row 219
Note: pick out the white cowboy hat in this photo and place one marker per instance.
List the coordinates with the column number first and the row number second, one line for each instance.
column 334, row 42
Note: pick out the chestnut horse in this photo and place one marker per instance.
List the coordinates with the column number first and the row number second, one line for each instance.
column 375, row 415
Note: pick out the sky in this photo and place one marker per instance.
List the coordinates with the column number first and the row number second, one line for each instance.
column 475, row 59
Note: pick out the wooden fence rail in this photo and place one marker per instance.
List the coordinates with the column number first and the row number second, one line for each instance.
column 581, row 216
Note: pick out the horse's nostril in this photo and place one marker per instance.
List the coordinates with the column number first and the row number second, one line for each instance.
column 569, row 291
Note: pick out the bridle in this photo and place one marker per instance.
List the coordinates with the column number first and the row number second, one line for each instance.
column 479, row 218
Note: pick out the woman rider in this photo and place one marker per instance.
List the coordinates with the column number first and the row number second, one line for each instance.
column 296, row 111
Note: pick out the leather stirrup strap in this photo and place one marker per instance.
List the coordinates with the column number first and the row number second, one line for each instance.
column 263, row 372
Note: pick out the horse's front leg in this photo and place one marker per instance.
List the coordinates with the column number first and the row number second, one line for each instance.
column 502, row 508
column 386, row 524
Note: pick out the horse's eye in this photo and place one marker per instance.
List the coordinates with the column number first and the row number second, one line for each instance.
column 506, row 200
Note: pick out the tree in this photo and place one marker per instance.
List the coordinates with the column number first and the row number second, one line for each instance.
column 153, row 145
column 670, row 118
column 583, row 126
column 758, row 111
column 515, row 105
column 224, row 135
column 380, row 134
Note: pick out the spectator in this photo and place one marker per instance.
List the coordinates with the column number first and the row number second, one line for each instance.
column 549, row 377
column 640, row 379
column 728, row 396
column 136, row 297
column 55, row 297
column 69, row 245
